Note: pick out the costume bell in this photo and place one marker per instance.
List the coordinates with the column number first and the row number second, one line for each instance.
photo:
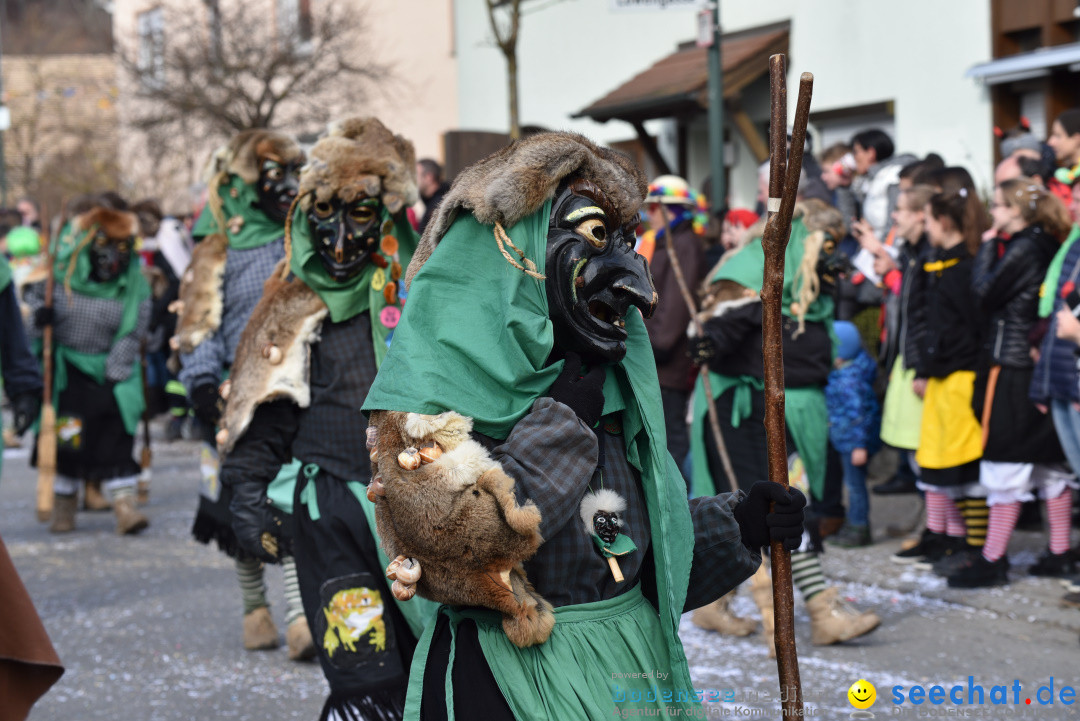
column 525, row 317
column 303, row 368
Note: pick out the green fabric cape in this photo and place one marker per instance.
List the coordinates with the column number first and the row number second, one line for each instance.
column 1049, row 289
column 474, row 338
column 804, row 408
column 366, row 290
column 258, row 228
column 131, row 288
column 5, row 274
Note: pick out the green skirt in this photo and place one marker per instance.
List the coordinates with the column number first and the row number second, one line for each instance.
column 602, row 659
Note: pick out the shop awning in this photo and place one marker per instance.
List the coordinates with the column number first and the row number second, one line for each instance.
column 1036, row 64
column 678, row 84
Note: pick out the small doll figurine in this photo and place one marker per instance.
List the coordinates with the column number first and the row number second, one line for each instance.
column 600, row 513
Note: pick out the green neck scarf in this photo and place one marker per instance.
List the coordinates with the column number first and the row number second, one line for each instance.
column 474, row 338
column 1048, row 292
column 130, row 287
column 246, row 225
column 378, row 288
column 5, row 274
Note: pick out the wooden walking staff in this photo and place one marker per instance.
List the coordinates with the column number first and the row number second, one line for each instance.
column 783, row 185
column 46, row 444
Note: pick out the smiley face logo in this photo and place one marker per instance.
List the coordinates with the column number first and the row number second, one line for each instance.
column 862, row 694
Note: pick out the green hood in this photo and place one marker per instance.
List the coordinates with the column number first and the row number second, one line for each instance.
column 239, row 200
column 474, row 338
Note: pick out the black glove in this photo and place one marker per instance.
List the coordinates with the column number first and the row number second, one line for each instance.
column 44, row 316
column 785, row 523
column 258, row 528
column 702, row 350
column 26, row 408
column 583, row 394
column 206, row 402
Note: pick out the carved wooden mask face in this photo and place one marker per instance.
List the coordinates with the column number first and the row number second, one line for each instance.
column 593, row 274
column 109, row 257
column 277, row 187
column 345, row 234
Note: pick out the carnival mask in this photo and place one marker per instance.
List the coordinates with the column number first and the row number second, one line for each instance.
column 109, row 258
column 593, row 274
column 345, row 235
column 277, row 187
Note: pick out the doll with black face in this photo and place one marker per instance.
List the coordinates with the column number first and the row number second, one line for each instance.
column 109, row 257
column 345, row 234
column 594, row 276
column 277, row 187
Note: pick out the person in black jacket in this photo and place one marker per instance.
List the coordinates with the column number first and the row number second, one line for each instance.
column 1021, row 451
column 944, row 341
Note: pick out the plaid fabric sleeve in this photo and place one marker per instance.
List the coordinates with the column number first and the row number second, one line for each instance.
column 204, row 364
column 721, row 561
column 551, row 455
column 125, row 352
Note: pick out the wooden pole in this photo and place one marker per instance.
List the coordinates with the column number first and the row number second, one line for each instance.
column 783, row 186
column 46, row 444
column 710, row 404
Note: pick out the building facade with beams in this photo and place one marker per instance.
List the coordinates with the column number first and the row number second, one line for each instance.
column 416, row 98
column 628, row 74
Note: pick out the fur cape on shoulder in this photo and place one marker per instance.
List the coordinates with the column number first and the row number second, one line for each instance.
column 514, row 182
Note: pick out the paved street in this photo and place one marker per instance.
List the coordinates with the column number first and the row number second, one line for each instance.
column 149, row 627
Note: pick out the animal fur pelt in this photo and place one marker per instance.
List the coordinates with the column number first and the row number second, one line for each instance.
column 453, row 526
column 273, row 358
column 361, row 157
column 243, row 155
column 117, row 225
column 200, row 306
column 512, row 183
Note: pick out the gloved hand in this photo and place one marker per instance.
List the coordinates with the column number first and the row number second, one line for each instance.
column 258, row 528
column 584, row 395
column 26, row 408
column 43, row 317
column 206, row 402
column 759, row 527
column 702, row 350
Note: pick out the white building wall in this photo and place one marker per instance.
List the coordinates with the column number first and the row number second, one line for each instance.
column 573, row 52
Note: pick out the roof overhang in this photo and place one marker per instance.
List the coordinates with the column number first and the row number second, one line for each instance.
column 1036, row 64
column 677, row 85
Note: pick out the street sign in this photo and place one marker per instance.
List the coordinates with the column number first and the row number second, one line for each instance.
column 705, row 28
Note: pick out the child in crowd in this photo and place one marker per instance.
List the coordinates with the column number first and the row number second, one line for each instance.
column 854, row 427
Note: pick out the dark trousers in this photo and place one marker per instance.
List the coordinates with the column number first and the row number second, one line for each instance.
column 678, row 433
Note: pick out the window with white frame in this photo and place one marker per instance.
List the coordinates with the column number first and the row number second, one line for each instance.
column 151, row 58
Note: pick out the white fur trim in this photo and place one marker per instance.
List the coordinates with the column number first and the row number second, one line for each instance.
column 448, row 429
column 463, row 465
column 727, row 305
column 603, row 500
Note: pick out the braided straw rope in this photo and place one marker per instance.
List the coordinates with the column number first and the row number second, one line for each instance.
column 529, row 268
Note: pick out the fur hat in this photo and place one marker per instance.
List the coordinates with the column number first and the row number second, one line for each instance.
column 360, row 156
column 508, row 185
column 116, row 224
column 241, row 156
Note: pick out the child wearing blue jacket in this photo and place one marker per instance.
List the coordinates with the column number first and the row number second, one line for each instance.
column 854, row 427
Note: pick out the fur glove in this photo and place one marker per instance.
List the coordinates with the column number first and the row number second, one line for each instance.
column 759, row 527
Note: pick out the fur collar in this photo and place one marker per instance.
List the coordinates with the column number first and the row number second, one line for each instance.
column 512, row 183
column 116, row 224
column 273, row 358
column 199, row 303
column 243, row 155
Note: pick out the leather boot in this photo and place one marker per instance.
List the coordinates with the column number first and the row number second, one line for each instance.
column 761, row 590
column 832, row 620
column 717, row 616
column 298, row 639
column 93, row 498
column 260, row 633
column 128, row 520
column 63, row 514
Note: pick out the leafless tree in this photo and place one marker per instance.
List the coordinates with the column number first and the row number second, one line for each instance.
column 230, row 65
